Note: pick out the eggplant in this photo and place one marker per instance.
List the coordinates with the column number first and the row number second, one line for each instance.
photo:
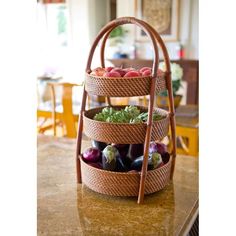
column 120, row 166
column 154, row 161
column 109, row 156
column 92, row 154
column 99, row 145
column 127, row 162
column 133, row 171
column 165, row 157
column 161, row 148
column 122, row 149
column 138, row 162
column 96, row 164
column 135, row 150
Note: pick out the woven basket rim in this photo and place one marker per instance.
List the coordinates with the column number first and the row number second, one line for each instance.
column 163, row 73
column 132, row 124
column 124, row 173
column 103, row 77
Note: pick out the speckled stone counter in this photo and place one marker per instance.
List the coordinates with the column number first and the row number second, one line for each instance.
column 65, row 208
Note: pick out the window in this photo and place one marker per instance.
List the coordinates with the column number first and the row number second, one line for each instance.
column 53, row 37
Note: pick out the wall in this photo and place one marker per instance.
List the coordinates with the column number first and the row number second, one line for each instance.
column 98, row 16
column 188, row 28
column 193, row 44
column 88, row 16
column 79, row 43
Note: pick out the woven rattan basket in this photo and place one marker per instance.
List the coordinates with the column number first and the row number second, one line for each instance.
column 127, row 183
column 124, row 133
column 124, row 183
column 122, row 87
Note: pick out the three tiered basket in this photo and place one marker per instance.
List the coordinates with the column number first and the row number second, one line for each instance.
column 127, row 183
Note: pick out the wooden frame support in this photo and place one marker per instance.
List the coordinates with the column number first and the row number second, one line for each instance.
column 156, row 40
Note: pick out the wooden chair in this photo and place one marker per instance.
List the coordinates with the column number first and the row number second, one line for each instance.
column 119, row 101
column 187, row 130
column 64, row 113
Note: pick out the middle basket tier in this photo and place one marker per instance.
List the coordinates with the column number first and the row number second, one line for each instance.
column 123, row 86
column 124, row 133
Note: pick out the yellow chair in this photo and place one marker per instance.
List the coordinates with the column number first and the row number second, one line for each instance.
column 187, row 130
column 119, row 101
column 187, row 137
column 64, row 113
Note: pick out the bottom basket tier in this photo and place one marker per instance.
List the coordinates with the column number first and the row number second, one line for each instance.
column 125, row 183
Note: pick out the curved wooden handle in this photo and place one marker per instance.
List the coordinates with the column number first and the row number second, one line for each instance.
column 156, row 36
column 152, row 36
column 160, row 42
column 122, row 21
column 170, row 94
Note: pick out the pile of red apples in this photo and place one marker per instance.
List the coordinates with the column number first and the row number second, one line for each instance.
column 122, row 72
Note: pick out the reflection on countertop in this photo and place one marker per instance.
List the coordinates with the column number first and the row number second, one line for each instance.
column 65, row 208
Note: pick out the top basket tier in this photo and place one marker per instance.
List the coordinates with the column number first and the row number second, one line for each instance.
column 122, row 86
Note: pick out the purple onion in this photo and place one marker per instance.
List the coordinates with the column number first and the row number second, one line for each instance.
column 161, row 148
column 92, row 154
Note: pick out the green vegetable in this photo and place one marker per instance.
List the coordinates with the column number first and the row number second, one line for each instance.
column 132, row 111
column 109, row 156
column 131, row 114
column 108, row 111
column 155, row 117
column 136, row 120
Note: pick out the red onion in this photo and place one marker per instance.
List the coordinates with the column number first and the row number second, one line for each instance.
column 161, row 148
column 92, row 154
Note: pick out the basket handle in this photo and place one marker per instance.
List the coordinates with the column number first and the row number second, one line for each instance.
column 170, row 94
column 122, row 21
column 148, row 31
column 168, row 79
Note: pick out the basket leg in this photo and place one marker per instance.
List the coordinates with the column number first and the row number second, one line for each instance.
column 170, row 94
column 108, row 101
column 173, row 137
column 172, row 122
column 79, row 137
column 78, row 170
column 144, row 166
column 147, row 142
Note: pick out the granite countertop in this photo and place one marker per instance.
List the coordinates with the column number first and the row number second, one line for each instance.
column 68, row 208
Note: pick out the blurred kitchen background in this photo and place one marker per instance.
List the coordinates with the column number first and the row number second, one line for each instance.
column 67, row 28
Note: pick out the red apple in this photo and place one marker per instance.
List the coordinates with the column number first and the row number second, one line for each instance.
column 109, row 68
column 129, row 69
column 132, row 73
column 98, row 71
column 146, row 73
column 120, row 71
column 145, row 68
column 112, row 74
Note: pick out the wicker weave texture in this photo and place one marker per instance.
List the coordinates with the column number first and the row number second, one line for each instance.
column 124, row 184
column 122, row 87
column 124, row 133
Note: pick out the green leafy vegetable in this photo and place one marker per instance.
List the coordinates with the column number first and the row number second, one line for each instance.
column 132, row 111
column 136, row 120
column 131, row 114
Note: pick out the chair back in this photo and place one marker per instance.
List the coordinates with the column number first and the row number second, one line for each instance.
column 68, row 118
